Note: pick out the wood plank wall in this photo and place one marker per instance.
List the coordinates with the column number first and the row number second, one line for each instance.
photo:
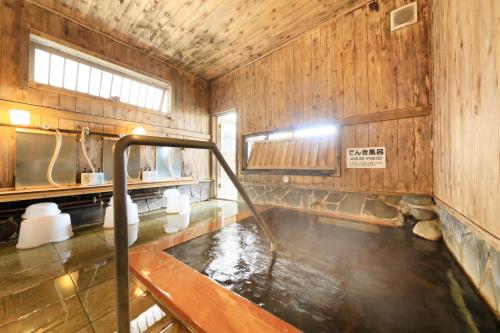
column 466, row 69
column 347, row 68
column 189, row 118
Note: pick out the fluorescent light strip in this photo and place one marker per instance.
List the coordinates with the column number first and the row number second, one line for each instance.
column 321, row 130
column 280, row 135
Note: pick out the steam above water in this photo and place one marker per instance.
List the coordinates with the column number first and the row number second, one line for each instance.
column 339, row 276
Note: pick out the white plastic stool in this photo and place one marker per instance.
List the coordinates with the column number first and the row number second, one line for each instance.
column 132, row 214
column 43, row 223
column 178, row 204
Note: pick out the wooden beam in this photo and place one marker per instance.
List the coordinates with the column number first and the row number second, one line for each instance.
column 50, row 112
column 386, row 115
column 369, row 118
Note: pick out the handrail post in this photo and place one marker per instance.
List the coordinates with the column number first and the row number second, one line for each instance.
column 121, row 236
column 120, row 210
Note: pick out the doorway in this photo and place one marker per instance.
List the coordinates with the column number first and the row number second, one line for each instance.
column 226, row 140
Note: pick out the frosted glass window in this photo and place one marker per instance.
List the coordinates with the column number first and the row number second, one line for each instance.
column 106, row 84
column 56, row 70
column 125, row 91
column 143, row 90
column 150, row 97
column 70, row 73
column 83, row 78
column 95, row 81
column 117, row 86
column 56, row 65
column 134, row 92
column 157, row 99
column 41, row 70
column 165, row 105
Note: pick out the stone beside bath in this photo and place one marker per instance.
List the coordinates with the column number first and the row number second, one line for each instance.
column 392, row 208
column 429, row 230
column 479, row 257
column 423, row 214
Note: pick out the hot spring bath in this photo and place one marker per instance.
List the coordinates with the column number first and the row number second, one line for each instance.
column 338, row 276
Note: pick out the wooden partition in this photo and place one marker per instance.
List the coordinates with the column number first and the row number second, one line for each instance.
column 65, row 110
column 466, row 67
column 353, row 70
column 295, row 154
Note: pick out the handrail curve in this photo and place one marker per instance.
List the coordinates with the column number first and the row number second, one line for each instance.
column 120, row 210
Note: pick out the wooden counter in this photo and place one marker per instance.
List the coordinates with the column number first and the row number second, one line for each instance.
column 10, row 195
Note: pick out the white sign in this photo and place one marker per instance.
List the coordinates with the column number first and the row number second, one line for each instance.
column 365, row 158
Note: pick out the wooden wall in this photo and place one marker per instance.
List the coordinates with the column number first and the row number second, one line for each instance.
column 466, row 69
column 189, row 117
column 355, row 71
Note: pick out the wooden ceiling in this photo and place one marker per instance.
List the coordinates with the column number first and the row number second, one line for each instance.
column 207, row 38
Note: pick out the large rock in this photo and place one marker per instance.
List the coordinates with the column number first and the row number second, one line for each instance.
column 293, row 198
column 379, row 209
column 423, row 214
column 418, row 200
column 319, row 195
column 352, row 203
column 335, row 197
column 400, row 220
column 280, row 191
column 404, row 207
column 392, row 199
column 428, row 230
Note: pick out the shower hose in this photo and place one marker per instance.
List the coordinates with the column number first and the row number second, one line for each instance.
column 86, row 130
column 55, row 154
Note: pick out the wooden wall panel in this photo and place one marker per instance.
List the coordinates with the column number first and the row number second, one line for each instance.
column 352, row 66
column 466, row 66
column 190, row 113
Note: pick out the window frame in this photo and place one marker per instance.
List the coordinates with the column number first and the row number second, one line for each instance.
column 80, row 57
column 246, row 138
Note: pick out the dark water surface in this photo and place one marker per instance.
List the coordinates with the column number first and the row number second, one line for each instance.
column 338, row 276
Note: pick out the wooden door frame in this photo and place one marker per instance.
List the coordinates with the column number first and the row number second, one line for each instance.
column 217, row 140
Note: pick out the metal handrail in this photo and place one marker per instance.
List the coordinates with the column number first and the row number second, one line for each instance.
column 120, row 210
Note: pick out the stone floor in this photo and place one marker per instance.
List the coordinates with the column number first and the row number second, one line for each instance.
column 69, row 286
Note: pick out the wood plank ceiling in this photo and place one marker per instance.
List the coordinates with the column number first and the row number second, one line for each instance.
column 207, row 38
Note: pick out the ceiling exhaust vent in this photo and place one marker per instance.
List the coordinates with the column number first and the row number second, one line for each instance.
column 404, row 16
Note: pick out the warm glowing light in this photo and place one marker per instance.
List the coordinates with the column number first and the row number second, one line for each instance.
column 280, row 135
column 321, row 130
column 139, row 131
column 19, row 117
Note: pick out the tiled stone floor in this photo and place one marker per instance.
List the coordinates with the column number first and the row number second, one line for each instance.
column 69, row 286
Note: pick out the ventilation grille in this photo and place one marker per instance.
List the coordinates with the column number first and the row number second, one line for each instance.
column 404, row 16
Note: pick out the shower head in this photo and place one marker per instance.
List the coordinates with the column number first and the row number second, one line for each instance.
column 85, row 132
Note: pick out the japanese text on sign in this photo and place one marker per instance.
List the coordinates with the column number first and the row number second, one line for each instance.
column 365, row 158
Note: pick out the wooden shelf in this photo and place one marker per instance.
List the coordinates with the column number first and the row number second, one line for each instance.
column 53, row 192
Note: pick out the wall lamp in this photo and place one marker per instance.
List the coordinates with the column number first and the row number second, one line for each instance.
column 139, row 131
column 19, row 117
